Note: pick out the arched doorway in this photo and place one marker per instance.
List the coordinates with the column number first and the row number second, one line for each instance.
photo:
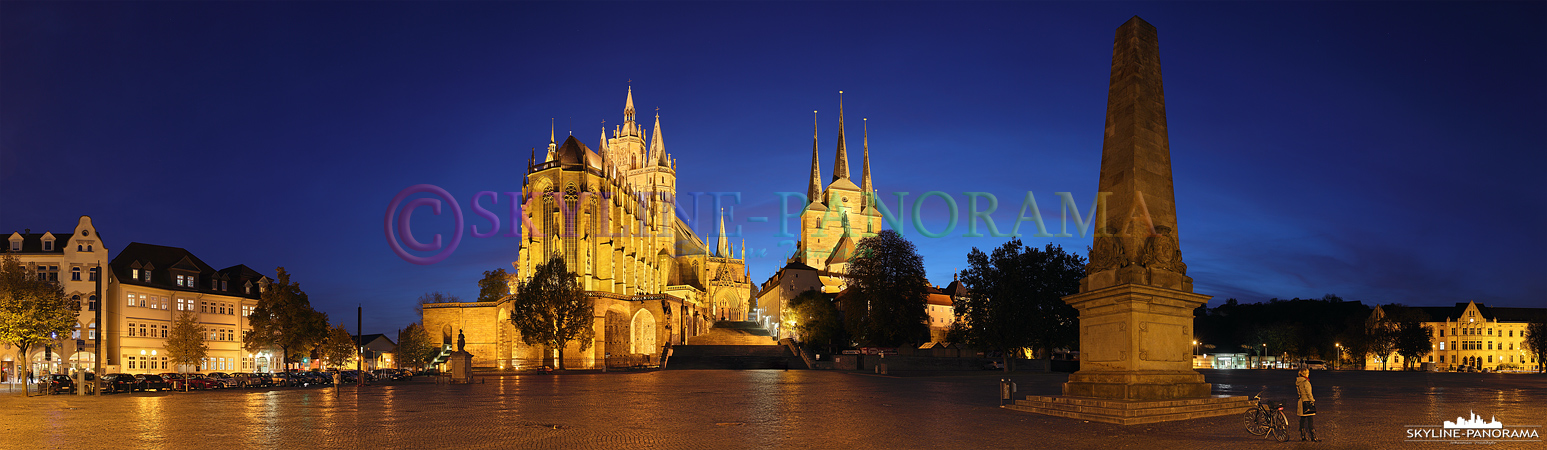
column 616, row 342
column 643, row 327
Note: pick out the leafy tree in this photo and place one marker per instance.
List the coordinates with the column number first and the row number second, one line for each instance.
column 1536, row 343
column 186, row 344
column 414, row 347
column 338, row 348
column 494, row 286
column 816, row 320
column 551, row 310
column 284, row 319
column 884, row 305
column 1015, row 299
column 33, row 310
column 1412, row 342
column 1382, row 338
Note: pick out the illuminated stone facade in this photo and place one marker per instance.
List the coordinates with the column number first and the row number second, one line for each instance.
column 73, row 259
column 1472, row 335
column 611, row 214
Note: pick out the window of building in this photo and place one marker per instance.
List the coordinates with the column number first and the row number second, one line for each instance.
column 1511, row 333
column 134, row 273
column 1490, row 359
column 91, row 304
column 48, row 246
column 145, row 274
column 163, row 331
column 223, row 285
column 1490, row 345
column 91, row 331
column 1490, row 332
column 15, row 246
column 88, row 247
column 75, row 274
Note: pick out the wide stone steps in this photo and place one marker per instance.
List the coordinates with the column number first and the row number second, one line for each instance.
column 1132, row 412
column 731, row 357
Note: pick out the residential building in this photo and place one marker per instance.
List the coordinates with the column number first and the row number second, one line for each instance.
column 1473, row 335
column 152, row 284
column 75, row 259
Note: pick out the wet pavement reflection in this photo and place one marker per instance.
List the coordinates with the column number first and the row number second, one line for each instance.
column 741, row 409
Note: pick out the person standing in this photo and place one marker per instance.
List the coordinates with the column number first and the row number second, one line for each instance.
column 1307, row 415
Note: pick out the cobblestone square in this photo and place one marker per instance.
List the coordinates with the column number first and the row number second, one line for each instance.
column 740, row 409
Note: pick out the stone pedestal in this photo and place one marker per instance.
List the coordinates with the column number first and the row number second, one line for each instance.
column 1136, row 344
column 460, row 366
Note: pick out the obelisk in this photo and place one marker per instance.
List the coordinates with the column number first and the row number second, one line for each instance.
column 1136, row 302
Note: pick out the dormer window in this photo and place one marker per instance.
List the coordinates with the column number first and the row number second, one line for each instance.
column 134, row 274
column 223, row 286
column 145, row 275
column 48, row 246
column 16, row 245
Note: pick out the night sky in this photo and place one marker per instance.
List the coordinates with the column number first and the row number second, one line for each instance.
column 1384, row 152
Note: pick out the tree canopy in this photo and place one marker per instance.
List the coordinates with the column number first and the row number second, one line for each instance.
column 494, row 285
column 884, row 305
column 1014, row 299
column 33, row 311
column 552, row 310
column 338, row 348
column 186, row 343
column 414, row 347
column 1536, row 342
column 284, row 320
column 815, row 320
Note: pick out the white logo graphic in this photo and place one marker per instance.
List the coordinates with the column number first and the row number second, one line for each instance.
column 1476, row 422
column 1473, row 431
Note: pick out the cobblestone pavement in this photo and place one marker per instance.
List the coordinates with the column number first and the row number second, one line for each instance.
column 741, row 409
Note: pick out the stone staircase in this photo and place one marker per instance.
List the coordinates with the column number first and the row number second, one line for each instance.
column 733, row 346
column 734, row 333
column 1132, row 412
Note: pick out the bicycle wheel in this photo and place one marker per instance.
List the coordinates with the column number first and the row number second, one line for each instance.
column 1255, row 424
column 1280, row 426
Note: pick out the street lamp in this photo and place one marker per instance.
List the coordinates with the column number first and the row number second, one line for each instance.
column 1340, row 356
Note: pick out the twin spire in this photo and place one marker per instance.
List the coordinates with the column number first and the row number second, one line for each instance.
column 841, row 163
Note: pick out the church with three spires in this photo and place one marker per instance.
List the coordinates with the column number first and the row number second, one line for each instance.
column 837, row 215
column 609, row 212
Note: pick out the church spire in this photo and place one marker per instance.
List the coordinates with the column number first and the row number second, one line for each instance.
column 841, row 166
column 551, row 145
column 814, row 191
column 628, row 108
column 725, row 246
column 657, row 146
column 867, row 191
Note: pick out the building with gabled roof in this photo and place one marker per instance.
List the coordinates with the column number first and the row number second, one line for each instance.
column 1472, row 336
column 151, row 284
column 75, row 260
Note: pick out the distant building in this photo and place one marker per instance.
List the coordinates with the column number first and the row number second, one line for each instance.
column 1473, row 335
column 377, row 350
column 941, row 310
column 151, row 284
column 74, row 259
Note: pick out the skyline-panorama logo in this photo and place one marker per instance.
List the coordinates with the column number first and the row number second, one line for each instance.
column 1473, row 430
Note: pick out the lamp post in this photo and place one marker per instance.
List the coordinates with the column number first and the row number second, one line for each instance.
column 1340, row 356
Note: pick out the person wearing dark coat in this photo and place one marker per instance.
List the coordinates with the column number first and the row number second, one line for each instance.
column 1307, row 419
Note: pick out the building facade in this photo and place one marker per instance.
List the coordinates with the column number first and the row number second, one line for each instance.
column 151, row 284
column 75, row 260
column 1473, row 335
column 838, row 213
column 611, row 214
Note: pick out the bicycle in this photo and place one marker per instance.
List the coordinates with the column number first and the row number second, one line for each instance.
column 1266, row 418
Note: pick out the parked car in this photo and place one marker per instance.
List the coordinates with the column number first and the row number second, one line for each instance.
column 60, row 383
column 1315, row 364
column 151, row 381
column 247, row 380
column 175, row 381
column 221, row 380
column 316, row 378
column 119, row 382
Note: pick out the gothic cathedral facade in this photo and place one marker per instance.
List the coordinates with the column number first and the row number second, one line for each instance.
column 610, row 213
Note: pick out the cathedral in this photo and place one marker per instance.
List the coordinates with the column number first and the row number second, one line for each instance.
column 610, row 212
column 837, row 215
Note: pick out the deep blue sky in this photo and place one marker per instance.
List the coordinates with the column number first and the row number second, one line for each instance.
column 1385, row 152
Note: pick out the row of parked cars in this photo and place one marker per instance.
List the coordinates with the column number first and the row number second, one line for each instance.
column 123, row 382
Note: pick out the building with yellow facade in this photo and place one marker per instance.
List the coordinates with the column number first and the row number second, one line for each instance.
column 75, row 260
column 1473, row 335
column 610, row 212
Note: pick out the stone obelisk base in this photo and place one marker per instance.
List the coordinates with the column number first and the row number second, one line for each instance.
column 1135, row 361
